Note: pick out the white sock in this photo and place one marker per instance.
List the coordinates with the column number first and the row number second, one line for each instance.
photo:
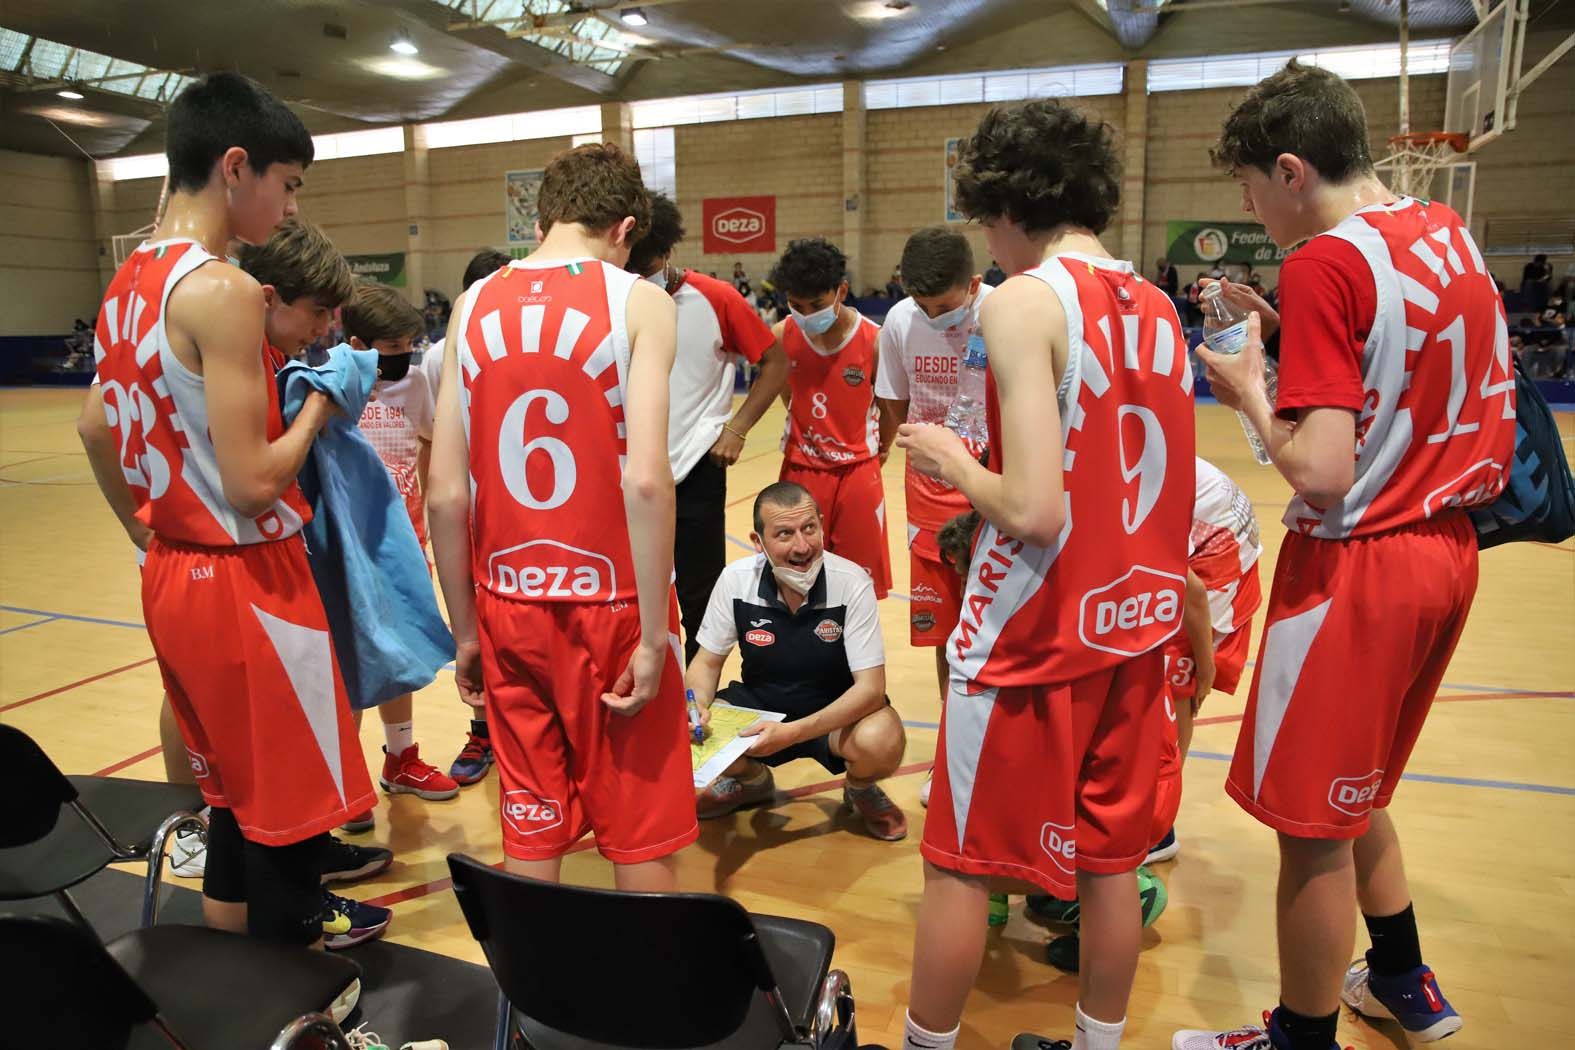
column 917, row 1038
column 399, row 736
column 1097, row 1035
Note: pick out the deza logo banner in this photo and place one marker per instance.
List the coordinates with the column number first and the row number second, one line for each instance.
column 735, row 225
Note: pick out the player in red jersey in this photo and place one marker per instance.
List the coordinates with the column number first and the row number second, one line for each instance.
column 832, row 442
column 186, row 385
column 552, row 520
column 1396, row 411
column 922, row 343
column 1050, row 739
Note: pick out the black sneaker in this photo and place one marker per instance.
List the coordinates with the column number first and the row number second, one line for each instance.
column 1064, row 952
column 1029, row 1041
column 343, row 862
column 347, row 923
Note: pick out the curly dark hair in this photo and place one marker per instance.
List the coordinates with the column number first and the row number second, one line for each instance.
column 955, row 540
column 1302, row 110
column 1039, row 165
column 809, row 267
column 667, row 229
column 484, row 263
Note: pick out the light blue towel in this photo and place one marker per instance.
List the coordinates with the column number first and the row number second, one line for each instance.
column 369, row 566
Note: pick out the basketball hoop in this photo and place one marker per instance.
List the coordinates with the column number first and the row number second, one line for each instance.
column 1415, row 158
column 126, row 243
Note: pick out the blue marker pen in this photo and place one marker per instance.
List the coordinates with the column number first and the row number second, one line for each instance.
column 696, row 730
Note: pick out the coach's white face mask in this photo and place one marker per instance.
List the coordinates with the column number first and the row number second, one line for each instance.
column 800, row 580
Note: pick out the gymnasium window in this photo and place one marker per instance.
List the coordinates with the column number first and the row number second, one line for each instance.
column 325, row 147
column 48, row 60
column 653, row 148
column 1004, row 86
column 739, row 105
column 513, row 127
column 1352, row 63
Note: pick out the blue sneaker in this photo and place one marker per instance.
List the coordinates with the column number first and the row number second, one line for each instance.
column 475, row 758
column 1165, row 849
column 1412, row 998
column 347, row 923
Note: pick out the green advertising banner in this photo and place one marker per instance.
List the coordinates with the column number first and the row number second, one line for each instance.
column 1190, row 242
column 388, row 268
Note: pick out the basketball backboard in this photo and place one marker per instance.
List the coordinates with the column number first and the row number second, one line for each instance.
column 1480, row 68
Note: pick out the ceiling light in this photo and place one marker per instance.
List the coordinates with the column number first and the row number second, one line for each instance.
column 400, row 68
column 634, row 17
column 402, row 44
column 75, row 96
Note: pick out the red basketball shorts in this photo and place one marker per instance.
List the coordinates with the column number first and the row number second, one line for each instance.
column 1041, row 782
column 568, row 764
column 935, row 589
column 852, row 504
column 243, row 645
column 1359, row 634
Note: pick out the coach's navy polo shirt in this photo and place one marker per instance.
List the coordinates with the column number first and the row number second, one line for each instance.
column 796, row 663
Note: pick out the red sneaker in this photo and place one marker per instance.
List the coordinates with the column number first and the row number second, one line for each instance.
column 406, row 774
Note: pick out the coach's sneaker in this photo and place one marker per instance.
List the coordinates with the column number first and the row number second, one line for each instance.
column 726, row 794
column 1065, row 952
column 345, row 1002
column 1165, row 849
column 347, row 923
column 883, row 819
column 475, row 758
column 343, row 862
column 358, row 823
column 1412, row 998
column 1000, row 912
column 924, row 792
column 1152, row 896
column 189, row 854
column 406, row 774
column 360, row 1039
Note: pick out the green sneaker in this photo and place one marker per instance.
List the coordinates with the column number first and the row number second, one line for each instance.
column 1047, row 910
column 1152, row 895
column 1000, row 909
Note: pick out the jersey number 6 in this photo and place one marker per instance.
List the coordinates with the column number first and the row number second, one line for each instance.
column 514, row 452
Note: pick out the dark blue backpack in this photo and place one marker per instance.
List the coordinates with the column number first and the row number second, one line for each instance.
column 1538, row 503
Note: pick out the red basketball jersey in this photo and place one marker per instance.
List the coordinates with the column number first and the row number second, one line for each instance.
column 1437, row 424
column 832, row 420
column 544, row 359
column 1112, row 585
column 158, row 410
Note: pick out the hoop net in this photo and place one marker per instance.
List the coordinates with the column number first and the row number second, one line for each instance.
column 1414, row 159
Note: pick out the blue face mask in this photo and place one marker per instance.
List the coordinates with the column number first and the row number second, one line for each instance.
column 950, row 318
column 817, row 323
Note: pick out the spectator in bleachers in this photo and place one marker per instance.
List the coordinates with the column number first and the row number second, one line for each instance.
column 1192, row 312
column 741, row 280
column 1166, row 277
column 1536, row 282
column 1554, row 314
column 894, row 288
column 994, row 275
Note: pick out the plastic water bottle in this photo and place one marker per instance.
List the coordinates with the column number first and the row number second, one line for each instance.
column 966, row 416
column 1225, row 332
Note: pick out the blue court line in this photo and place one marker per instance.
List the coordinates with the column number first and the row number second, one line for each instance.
column 64, row 616
column 25, row 626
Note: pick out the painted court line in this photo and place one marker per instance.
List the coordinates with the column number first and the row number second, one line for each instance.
column 1430, row 778
column 67, row 616
column 25, row 626
column 79, row 682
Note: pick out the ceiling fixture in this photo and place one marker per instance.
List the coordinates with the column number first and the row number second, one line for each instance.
column 899, row 5
column 402, row 44
column 75, row 96
column 634, row 17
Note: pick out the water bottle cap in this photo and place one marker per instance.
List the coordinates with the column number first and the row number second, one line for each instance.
column 1210, row 291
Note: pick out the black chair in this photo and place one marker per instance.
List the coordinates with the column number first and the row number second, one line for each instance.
column 45, row 851
column 59, row 987
column 589, row 969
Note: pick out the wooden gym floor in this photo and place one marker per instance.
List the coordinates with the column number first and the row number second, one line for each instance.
column 1488, row 814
